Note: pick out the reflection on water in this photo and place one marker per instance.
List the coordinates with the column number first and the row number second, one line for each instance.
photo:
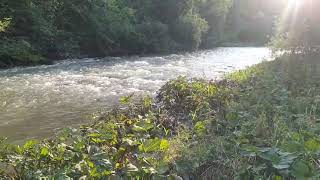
column 36, row 101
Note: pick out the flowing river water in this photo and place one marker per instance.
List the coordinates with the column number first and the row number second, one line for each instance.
column 37, row 101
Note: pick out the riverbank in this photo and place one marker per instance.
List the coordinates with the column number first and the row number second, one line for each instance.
column 262, row 122
column 22, row 54
column 17, row 55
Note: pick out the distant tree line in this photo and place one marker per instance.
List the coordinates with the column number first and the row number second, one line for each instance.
column 33, row 31
column 38, row 30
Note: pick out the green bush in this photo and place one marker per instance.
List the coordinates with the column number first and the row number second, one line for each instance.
column 18, row 53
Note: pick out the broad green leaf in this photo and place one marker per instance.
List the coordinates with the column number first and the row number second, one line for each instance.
column 145, row 125
column 152, row 145
column 30, row 144
column 200, row 127
column 164, row 145
column 90, row 164
column 277, row 178
column 44, row 152
column 270, row 155
column 286, row 160
column 301, row 170
column 312, row 145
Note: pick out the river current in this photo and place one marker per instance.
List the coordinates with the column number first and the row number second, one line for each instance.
column 37, row 101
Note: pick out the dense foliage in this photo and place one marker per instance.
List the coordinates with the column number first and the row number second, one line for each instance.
column 56, row 29
column 259, row 123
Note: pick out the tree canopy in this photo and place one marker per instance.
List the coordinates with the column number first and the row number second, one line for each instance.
column 71, row 28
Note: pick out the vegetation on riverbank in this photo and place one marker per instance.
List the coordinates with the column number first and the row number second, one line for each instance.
column 262, row 122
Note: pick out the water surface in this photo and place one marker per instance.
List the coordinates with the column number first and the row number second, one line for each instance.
column 37, row 101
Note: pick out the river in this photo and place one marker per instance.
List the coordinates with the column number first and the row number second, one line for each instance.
column 37, row 101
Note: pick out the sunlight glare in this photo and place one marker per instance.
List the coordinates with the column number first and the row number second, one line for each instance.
column 291, row 10
column 294, row 3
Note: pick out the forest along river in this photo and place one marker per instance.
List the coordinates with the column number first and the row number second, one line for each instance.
column 37, row 101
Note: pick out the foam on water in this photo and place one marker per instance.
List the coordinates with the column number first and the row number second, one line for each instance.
column 35, row 101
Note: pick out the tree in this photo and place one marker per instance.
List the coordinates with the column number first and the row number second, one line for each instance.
column 215, row 13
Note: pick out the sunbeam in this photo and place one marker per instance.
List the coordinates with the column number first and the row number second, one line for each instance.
column 294, row 3
column 290, row 13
